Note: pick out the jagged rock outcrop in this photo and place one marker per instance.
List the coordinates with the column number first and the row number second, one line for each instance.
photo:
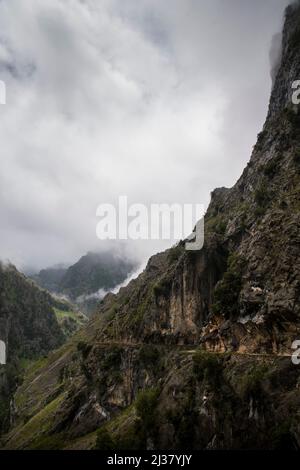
column 204, row 334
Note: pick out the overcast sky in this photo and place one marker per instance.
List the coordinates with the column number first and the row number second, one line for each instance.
column 159, row 100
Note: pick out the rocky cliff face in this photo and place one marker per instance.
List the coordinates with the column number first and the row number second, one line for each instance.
column 244, row 285
column 204, row 334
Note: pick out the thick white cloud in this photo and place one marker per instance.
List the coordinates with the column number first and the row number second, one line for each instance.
column 157, row 100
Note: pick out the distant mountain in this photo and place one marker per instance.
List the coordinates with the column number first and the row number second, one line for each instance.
column 50, row 278
column 93, row 272
column 81, row 283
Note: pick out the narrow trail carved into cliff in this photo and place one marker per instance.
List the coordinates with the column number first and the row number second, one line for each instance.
column 184, row 350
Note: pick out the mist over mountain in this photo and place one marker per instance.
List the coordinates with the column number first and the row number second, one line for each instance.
column 88, row 280
column 93, row 272
column 156, row 100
